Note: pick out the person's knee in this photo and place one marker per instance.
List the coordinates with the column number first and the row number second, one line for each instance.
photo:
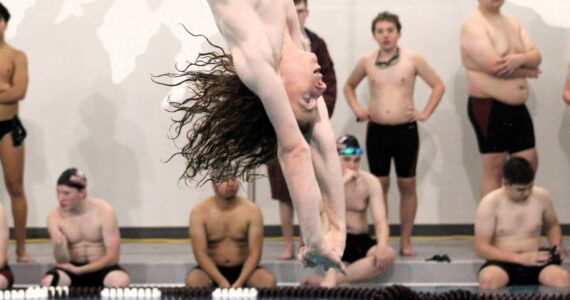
column 46, row 280
column 15, row 188
column 117, row 279
column 407, row 186
column 262, row 278
column 196, row 280
column 4, row 283
column 556, row 278
column 488, row 282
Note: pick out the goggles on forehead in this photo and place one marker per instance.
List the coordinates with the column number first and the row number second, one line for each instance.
column 351, row 151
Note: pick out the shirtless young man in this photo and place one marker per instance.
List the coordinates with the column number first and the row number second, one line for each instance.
column 566, row 93
column 392, row 130
column 85, row 238
column 367, row 257
column 508, row 232
column 13, row 87
column 498, row 56
column 264, row 38
column 227, row 240
column 6, row 274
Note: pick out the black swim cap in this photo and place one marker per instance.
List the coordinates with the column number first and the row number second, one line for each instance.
column 4, row 13
column 74, row 178
column 348, row 145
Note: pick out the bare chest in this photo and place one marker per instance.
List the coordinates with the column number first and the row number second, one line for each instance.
column 518, row 221
column 402, row 74
column 84, row 229
column 505, row 38
column 6, row 67
column 226, row 225
column 356, row 195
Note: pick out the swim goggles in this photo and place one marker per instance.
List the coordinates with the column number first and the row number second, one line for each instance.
column 351, row 151
column 385, row 64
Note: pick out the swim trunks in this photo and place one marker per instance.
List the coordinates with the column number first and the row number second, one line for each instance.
column 519, row 274
column 387, row 142
column 88, row 279
column 357, row 245
column 16, row 128
column 500, row 127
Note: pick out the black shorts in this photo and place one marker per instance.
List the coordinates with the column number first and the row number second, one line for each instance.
column 88, row 279
column 357, row 245
column 400, row 142
column 230, row 273
column 500, row 127
column 7, row 272
column 15, row 127
column 519, row 274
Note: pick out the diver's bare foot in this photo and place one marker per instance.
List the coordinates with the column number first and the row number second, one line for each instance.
column 25, row 259
column 408, row 251
column 287, row 254
column 312, row 280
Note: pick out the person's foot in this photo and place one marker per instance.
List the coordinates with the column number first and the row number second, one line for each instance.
column 408, row 251
column 287, row 254
column 25, row 259
column 328, row 282
column 312, row 280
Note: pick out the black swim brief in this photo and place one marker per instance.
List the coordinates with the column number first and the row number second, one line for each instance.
column 500, row 127
column 88, row 279
column 8, row 274
column 400, row 142
column 519, row 274
column 230, row 273
column 16, row 128
column 357, row 245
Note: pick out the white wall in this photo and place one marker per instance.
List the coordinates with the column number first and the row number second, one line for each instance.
column 91, row 103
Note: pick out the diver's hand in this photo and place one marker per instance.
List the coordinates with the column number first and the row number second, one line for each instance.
column 328, row 253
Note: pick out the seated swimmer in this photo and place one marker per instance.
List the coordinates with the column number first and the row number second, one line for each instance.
column 508, row 233
column 368, row 257
column 85, row 238
column 227, row 236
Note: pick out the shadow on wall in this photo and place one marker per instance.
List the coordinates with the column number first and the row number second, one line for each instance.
column 111, row 166
column 36, row 157
column 470, row 155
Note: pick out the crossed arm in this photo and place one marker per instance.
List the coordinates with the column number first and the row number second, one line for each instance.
column 476, row 45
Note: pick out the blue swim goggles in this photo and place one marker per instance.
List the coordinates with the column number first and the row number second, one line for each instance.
column 351, row 151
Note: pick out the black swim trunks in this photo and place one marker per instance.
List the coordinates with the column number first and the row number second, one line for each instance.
column 16, row 128
column 8, row 274
column 500, row 127
column 400, row 142
column 88, row 279
column 230, row 273
column 519, row 274
column 357, row 245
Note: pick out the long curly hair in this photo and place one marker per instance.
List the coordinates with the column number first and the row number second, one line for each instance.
column 226, row 129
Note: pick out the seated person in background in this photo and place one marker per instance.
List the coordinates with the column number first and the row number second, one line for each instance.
column 6, row 275
column 508, row 232
column 362, row 192
column 85, row 238
column 227, row 237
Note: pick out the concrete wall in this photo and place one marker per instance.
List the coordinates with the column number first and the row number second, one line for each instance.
column 91, row 103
